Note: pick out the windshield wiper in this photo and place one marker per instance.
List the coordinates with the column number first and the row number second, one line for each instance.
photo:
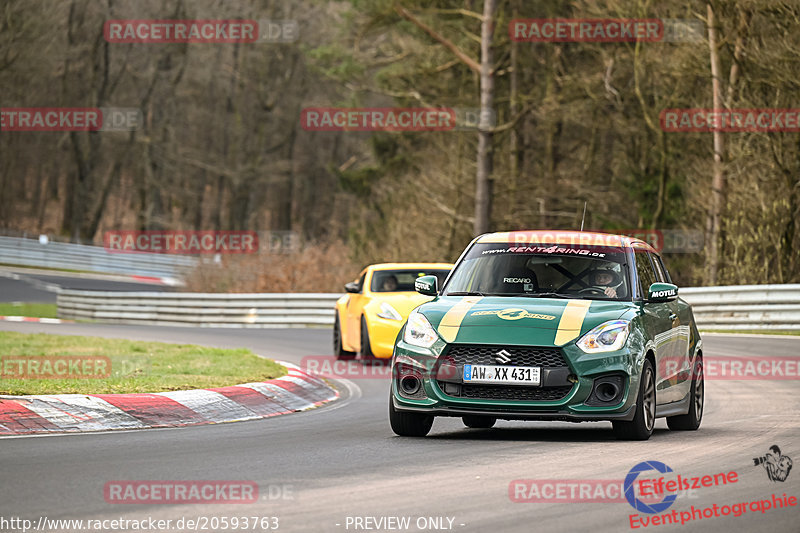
column 513, row 294
column 544, row 295
column 466, row 293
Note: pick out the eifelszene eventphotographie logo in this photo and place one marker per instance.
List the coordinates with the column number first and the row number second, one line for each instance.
column 777, row 466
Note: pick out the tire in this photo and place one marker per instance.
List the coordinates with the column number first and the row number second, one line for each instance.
column 691, row 420
column 478, row 422
column 409, row 424
column 338, row 351
column 365, row 354
column 641, row 427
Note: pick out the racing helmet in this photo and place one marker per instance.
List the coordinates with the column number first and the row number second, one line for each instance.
column 610, row 269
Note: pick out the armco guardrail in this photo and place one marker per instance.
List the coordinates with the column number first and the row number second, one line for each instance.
column 29, row 252
column 775, row 307
column 734, row 307
column 198, row 309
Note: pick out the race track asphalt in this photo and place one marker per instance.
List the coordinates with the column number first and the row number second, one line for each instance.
column 343, row 461
column 33, row 287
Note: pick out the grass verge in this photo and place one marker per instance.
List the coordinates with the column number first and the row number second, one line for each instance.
column 135, row 366
column 26, row 309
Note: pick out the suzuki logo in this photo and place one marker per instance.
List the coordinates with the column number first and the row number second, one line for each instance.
column 502, row 357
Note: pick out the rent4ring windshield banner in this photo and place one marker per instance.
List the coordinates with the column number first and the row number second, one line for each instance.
column 558, row 270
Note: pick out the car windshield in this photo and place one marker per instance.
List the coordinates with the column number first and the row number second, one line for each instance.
column 566, row 271
column 402, row 280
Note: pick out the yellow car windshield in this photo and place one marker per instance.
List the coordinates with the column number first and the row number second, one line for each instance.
column 402, row 280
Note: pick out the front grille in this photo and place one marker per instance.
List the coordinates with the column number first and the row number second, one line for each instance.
column 481, row 354
column 513, row 393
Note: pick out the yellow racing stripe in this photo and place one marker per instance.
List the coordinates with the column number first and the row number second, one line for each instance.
column 451, row 321
column 571, row 321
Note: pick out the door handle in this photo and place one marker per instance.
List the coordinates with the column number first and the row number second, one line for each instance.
column 673, row 316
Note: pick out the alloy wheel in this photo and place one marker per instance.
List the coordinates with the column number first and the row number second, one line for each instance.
column 649, row 400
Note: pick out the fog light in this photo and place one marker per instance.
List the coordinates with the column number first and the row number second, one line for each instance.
column 607, row 390
column 410, row 385
column 409, row 382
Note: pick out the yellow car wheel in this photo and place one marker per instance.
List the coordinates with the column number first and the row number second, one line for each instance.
column 365, row 353
column 338, row 351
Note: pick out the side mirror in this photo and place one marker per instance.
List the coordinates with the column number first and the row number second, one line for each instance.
column 427, row 285
column 662, row 292
column 351, row 287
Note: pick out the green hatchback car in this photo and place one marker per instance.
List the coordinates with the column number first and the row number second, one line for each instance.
column 533, row 325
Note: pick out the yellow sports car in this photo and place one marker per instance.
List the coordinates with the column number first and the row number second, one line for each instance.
column 376, row 306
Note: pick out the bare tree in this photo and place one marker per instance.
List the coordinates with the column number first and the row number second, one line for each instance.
column 483, row 176
column 718, row 179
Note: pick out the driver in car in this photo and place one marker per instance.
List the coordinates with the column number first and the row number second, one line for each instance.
column 389, row 283
column 605, row 280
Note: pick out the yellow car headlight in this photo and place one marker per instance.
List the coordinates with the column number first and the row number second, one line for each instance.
column 388, row 312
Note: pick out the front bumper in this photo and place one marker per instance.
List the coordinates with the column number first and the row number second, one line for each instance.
column 561, row 416
column 562, row 395
column 382, row 334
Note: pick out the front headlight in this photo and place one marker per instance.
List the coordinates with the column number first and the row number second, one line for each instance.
column 607, row 337
column 419, row 331
column 388, row 312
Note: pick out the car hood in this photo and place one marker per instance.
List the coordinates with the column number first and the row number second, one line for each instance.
column 403, row 302
column 518, row 320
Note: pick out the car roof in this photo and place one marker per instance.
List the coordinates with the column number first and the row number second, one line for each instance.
column 410, row 266
column 589, row 238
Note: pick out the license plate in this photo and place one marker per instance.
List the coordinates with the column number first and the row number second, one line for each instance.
column 506, row 375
